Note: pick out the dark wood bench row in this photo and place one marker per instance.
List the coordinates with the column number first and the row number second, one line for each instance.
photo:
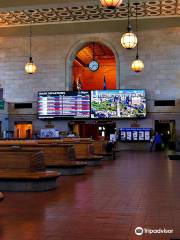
column 58, row 152
column 62, row 158
column 100, row 149
column 24, row 170
column 59, row 157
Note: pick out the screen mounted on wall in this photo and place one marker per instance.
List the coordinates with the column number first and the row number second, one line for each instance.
column 116, row 104
column 62, row 104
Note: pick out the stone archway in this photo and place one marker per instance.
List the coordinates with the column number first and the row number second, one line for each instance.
column 76, row 48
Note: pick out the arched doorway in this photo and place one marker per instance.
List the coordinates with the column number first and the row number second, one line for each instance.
column 111, row 72
column 94, row 68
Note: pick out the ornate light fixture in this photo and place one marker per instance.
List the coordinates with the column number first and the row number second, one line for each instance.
column 111, row 3
column 30, row 67
column 129, row 39
column 137, row 65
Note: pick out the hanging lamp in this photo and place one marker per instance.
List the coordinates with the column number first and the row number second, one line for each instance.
column 129, row 39
column 30, row 67
column 111, row 4
column 137, row 65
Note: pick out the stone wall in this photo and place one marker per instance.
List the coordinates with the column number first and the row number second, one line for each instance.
column 159, row 49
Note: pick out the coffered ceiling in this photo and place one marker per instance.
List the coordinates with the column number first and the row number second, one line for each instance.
column 94, row 50
column 21, row 13
column 86, row 12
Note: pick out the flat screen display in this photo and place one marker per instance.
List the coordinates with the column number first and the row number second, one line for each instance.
column 118, row 104
column 62, row 104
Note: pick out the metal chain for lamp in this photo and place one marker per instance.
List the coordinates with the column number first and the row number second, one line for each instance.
column 129, row 39
column 30, row 67
column 137, row 65
column 30, row 43
column 93, row 51
column 137, row 46
column 129, row 28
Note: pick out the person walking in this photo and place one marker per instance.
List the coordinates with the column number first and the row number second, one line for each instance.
column 157, row 141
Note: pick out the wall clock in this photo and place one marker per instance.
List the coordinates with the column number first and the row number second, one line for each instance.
column 93, row 65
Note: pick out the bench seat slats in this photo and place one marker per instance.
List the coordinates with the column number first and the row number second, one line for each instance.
column 21, row 175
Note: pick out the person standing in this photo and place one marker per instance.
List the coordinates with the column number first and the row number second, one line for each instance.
column 151, row 143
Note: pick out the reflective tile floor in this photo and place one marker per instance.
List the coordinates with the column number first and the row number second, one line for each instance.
column 139, row 189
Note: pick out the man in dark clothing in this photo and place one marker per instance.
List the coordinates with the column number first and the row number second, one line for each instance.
column 157, row 141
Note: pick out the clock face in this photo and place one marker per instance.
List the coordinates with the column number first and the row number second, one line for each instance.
column 93, row 66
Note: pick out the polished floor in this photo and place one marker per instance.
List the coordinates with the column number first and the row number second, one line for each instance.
column 108, row 203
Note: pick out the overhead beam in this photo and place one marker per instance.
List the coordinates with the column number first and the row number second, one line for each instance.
column 80, row 61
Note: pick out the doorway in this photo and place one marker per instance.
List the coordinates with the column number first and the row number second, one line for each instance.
column 94, row 130
column 168, row 131
column 23, row 130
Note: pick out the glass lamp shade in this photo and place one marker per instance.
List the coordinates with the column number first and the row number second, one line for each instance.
column 30, row 67
column 111, row 3
column 129, row 40
column 137, row 65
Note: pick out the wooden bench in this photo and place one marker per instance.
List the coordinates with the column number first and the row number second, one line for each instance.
column 100, row 149
column 85, row 152
column 24, row 170
column 57, row 157
column 61, row 157
column 17, row 142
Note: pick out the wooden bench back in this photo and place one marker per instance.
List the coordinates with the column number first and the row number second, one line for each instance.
column 21, row 159
column 49, row 141
column 83, row 149
column 17, row 142
column 52, row 152
column 99, row 146
column 57, row 152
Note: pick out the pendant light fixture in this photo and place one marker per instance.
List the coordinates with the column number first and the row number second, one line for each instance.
column 111, row 4
column 129, row 39
column 137, row 65
column 30, row 67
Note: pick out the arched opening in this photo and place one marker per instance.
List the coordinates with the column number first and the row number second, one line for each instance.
column 109, row 69
column 94, row 68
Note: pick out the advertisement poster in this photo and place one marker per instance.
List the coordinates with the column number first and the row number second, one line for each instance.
column 147, row 136
column 135, row 135
column 123, row 136
column 141, row 135
column 49, row 133
column 128, row 135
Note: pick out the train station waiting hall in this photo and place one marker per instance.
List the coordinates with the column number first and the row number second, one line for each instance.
column 89, row 120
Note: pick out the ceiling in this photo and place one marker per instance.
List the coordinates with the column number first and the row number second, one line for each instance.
column 86, row 12
column 98, row 50
column 44, row 13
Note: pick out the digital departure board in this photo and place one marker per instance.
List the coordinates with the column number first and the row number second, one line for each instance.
column 64, row 104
